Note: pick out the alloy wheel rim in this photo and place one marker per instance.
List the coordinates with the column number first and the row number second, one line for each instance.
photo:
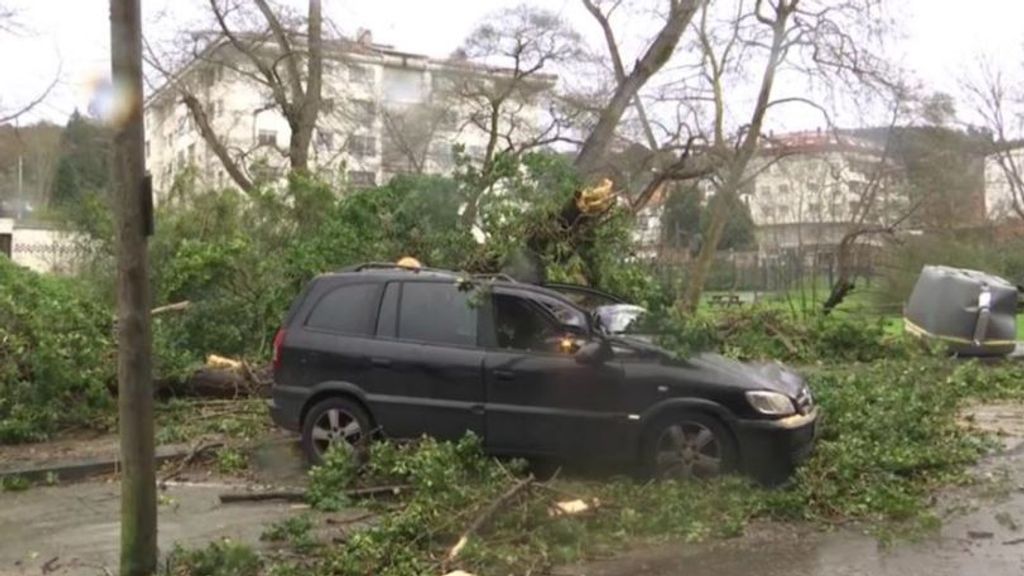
column 335, row 426
column 688, row 450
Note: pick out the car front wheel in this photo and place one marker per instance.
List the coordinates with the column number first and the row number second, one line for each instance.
column 334, row 422
column 687, row 446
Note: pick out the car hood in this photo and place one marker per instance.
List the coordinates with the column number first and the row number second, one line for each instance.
column 749, row 375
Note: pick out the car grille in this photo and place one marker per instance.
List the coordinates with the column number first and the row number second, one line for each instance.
column 804, row 401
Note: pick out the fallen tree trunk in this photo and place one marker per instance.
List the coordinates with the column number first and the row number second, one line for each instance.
column 300, row 495
column 217, row 383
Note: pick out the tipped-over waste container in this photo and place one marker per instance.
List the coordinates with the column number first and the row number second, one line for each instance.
column 975, row 313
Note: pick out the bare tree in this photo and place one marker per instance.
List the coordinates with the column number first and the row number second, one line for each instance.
column 628, row 86
column 523, row 44
column 994, row 96
column 256, row 41
column 410, row 133
column 808, row 40
column 10, row 24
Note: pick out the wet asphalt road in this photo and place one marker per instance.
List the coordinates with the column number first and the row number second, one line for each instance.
column 986, row 540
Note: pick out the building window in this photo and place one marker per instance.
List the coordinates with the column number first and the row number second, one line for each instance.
column 360, row 74
column 325, row 140
column 327, row 106
column 768, row 211
column 267, row 138
column 814, row 208
column 362, row 146
column 783, row 189
column 449, row 120
column 361, row 178
column 191, row 153
column 364, row 112
column 147, row 148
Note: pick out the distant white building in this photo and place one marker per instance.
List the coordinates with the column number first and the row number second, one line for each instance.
column 804, row 191
column 40, row 248
column 999, row 192
column 808, row 188
column 384, row 112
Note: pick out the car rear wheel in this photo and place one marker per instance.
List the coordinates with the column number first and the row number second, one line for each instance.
column 688, row 446
column 334, row 422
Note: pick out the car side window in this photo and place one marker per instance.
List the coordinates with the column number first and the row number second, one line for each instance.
column 349, row 309
column 387, row 320
column 437, row 312
column 520, row 324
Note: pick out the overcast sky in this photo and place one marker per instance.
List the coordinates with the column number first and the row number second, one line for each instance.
column 941, row 39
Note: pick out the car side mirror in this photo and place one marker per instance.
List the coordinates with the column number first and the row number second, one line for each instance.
column 595, row 351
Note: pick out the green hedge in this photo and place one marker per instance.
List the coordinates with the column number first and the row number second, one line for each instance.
column 56, row 355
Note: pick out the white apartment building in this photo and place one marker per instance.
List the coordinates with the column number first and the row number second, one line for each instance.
column 803, row 191
column 384, row 112
column 999, row 193
column 808, row 187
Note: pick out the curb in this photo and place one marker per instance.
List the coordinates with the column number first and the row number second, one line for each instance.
column 80, row 469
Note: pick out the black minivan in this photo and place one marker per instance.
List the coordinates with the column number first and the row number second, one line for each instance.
column 411, row 352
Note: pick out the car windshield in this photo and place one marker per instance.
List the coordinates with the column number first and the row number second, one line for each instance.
column 619, row 318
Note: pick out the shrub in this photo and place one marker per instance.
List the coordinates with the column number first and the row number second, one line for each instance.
column 771, row 332
column 56, row 355
column 224, row 558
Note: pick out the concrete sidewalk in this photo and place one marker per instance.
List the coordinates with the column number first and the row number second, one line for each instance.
column 75, row 529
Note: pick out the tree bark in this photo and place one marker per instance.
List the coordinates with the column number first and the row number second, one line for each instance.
column 307, row 105
column 135, row 395
column 215, row 143
column 738, row 166
column 658, row 53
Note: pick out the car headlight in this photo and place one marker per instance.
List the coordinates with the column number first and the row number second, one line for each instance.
column 771, row 403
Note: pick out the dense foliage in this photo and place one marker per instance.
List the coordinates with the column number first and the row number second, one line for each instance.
column 55, row 355
column 890, row 439
column 770, row 331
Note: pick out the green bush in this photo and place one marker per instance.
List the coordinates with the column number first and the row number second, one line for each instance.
column 328, row 482
column 771, row 332
column 223, row 558
column 56, row 355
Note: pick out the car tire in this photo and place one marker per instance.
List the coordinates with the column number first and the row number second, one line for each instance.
column 333, row 420
column 688, row 445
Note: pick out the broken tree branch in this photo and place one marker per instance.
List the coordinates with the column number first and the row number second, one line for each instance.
column 485, row 517
column 300, row 495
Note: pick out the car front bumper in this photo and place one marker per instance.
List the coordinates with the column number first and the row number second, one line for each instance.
column 770, row 450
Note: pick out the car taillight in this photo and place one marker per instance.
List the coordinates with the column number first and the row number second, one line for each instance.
column 278, row 343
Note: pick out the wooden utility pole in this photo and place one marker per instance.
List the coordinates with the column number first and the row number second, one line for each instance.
column 134, row 343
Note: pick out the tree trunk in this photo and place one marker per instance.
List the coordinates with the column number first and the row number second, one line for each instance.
column 216, row 145
column 135, row 395
column 658, row 53
column 705, row 258
column 308, row 108
column 739, row 162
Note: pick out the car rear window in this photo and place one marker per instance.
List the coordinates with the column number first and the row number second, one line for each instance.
column 437, row 312
column 350, row 309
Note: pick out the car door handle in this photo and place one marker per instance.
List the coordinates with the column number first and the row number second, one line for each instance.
column 504, row 374
column 380, row 362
